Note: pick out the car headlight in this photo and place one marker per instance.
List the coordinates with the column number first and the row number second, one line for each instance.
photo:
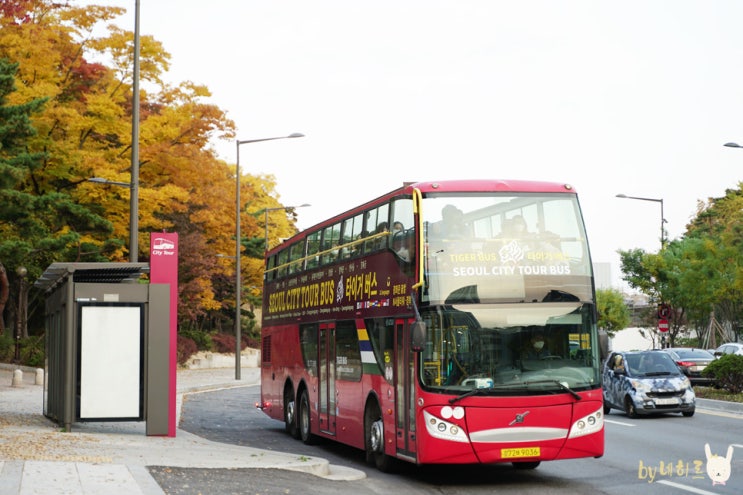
column 640, row 386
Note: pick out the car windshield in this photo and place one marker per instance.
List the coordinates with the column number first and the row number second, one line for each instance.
column 651, row 364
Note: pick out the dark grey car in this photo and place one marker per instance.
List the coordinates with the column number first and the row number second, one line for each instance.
column 692, row 362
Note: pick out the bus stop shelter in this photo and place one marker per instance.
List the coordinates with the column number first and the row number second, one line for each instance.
column 107, row 345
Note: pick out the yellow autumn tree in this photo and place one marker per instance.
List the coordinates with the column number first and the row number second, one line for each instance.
column 86, row 132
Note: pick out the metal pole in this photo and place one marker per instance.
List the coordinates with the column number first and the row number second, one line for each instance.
column 662, row 227
column 21, row 272
column 238, row 275
column 134, row 193
column 265, row 238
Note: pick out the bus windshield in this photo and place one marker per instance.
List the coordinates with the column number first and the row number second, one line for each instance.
column 506, row 273
column 497, row 247
column 510, row 349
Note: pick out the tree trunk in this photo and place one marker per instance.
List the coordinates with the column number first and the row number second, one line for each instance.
column 4, row 293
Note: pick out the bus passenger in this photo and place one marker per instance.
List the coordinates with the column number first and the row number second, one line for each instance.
column 381, row 240
column 515, row 228
column 400, row 245
column 452, row 223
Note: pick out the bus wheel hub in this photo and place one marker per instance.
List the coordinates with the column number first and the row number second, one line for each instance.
column 376, row 436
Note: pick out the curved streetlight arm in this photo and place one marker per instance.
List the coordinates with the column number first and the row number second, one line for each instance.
column 101, row 180
column 290, row 136
column 732, row 145
column 265, row 221
column 662, row 216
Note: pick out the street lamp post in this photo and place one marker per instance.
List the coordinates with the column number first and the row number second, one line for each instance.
column 662, row 217
column 238, row 281
column 21, row 271
column 266, row 211
column 662, row 245
column 134, row 193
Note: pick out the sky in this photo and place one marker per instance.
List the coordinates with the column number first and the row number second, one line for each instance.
column 632, row 97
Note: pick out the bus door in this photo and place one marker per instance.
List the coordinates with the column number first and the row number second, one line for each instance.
column 404, row 390
column 326, row 349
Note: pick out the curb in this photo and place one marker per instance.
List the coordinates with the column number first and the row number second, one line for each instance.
column 720, row 405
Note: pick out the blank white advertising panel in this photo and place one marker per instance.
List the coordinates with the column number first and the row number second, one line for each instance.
column 110, row 361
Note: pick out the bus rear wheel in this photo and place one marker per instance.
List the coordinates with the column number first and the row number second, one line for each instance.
column 305, row 430
column 290, row 414
column 374, row 432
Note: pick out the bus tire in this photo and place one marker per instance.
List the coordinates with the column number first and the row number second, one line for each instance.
column 374, row 440
column 305, row 427
column 290, row 413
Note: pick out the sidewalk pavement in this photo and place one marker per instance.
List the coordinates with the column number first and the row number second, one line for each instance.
column 37, row 457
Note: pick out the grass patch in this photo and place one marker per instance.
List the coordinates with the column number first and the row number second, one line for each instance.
column 717, row 394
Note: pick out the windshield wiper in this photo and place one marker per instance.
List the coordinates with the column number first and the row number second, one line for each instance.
column 658, row 373
column 561, row 384
column 470, row 393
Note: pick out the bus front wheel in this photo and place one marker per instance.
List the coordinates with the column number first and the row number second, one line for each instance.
column 374, row 428
column 305, row 431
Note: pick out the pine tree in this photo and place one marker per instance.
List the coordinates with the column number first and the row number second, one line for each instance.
column 37, row 226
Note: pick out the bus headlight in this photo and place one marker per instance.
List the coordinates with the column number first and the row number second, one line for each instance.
column 588, row 424
column 444, row 430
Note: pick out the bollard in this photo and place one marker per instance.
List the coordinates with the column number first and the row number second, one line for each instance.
column 39, row 376
column 17, row 378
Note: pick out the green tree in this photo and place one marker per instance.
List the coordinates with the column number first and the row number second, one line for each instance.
column 37, row 225
column 613, row 312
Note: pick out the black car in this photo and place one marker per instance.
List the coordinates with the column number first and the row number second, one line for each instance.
column 692, row 361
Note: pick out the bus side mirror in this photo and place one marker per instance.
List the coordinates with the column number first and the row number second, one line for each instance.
column 418, row 335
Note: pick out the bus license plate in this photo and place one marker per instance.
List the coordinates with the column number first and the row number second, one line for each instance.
column 520, row 452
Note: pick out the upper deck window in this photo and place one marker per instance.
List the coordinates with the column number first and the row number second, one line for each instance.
column 504, row 247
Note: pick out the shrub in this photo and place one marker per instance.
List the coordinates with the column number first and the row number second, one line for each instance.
column 186, row 348
column 203, row 340
column 7, row 346
column 33, row 351
column 224, row 342
column 728, row 371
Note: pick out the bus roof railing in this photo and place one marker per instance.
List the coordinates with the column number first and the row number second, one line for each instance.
column 346, row 245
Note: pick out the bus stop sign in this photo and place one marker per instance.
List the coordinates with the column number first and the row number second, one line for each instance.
column 663, row 325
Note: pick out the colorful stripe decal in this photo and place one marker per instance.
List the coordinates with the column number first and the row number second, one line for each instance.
column 368, row 361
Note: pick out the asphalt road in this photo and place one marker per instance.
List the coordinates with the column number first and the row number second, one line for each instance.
column 230, row 416
column 633, row 447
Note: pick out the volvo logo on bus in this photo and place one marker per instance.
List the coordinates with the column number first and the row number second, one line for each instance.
column 519, row 418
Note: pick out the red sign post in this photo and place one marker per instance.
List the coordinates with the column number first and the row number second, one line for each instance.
column 663, row 325
column 164, row 270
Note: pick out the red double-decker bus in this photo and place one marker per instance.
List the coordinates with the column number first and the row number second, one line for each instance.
column 444, row 322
